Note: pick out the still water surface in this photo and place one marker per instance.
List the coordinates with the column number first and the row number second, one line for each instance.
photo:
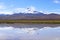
column 29, row 31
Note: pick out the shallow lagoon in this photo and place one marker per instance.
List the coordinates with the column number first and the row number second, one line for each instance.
column 29, row 31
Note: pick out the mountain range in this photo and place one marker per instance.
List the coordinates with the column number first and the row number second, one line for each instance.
column 28, row 16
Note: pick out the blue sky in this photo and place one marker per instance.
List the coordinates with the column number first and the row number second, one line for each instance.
column 45, row 6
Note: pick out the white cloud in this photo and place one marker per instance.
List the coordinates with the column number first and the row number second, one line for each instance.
column 19, row 10
column 49, row 12
column 6, row 12
column 10, row 10
column 4, row 9
column 57, row 11
column 40, row 11
column 30, row 9
column 56, row 1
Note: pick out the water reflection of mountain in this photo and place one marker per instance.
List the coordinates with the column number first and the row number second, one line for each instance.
column 20, row 25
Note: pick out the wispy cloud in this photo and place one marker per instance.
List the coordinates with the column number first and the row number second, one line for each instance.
column 26, row 10
column 4, row 9
column 6, row 12
column 56, row 1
